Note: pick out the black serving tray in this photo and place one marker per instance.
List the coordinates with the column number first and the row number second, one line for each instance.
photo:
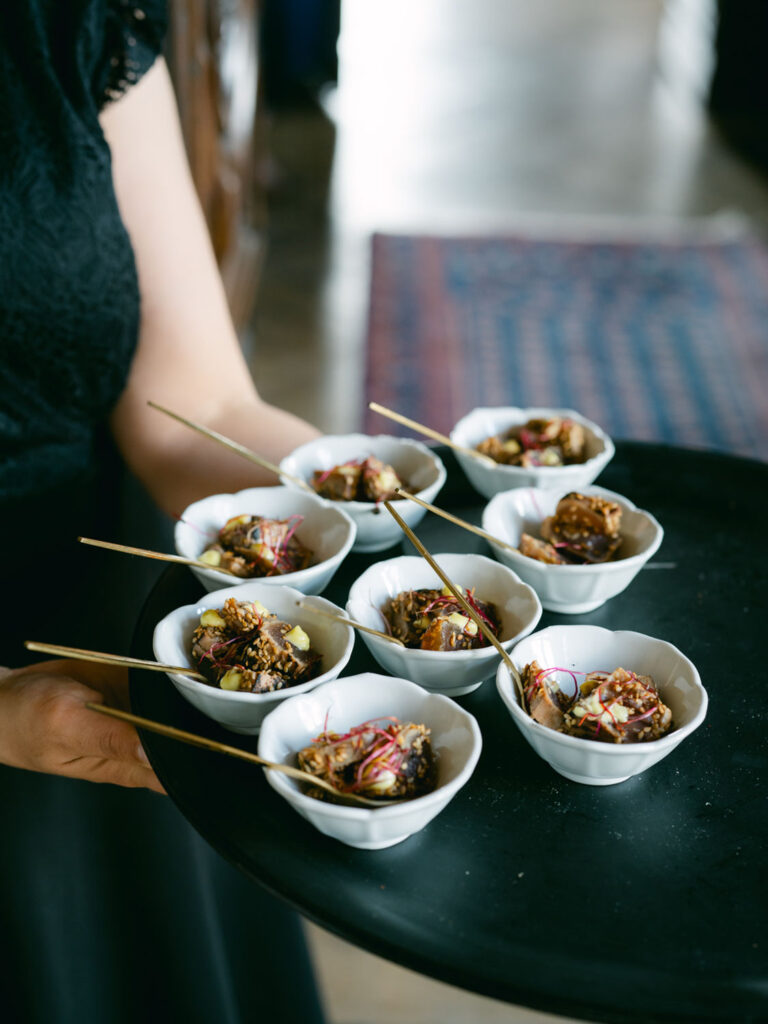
column 644, row 901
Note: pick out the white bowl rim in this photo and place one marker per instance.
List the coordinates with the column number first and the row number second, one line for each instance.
column 543, row 412
column 394, row 810
column 360, row 506
column 602, row 567
column 300, row 576
column 243, row 696
column 490, row 651
column 671, row 739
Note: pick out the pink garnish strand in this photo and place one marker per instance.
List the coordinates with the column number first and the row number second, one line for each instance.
column 444, row 599
column 529, row 439
column 279, row 551
column 473, row 604
column 384, row 750
column 324, row 476
column 181, row 519
column 639, row 718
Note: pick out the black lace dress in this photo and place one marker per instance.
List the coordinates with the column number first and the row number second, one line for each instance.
column 111, row 908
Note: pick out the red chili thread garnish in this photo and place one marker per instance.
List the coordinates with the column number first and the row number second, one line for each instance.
column 470, row 599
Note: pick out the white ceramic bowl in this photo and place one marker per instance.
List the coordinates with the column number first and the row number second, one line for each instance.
column 240, row 711
column 590, row 648
column 489, row 480
column 418, row 467
column 570, row 588
column 449, row 672
column 327, row 530
column 348, row 702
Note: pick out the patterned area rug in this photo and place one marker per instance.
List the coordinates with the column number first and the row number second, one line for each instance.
column 659, row 342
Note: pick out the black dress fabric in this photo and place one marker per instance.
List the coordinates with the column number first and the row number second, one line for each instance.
column 112, row 909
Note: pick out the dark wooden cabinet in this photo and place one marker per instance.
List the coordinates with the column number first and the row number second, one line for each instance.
column 212, row 53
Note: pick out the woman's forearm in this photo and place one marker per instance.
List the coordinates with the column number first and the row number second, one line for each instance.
column 184, row 466
column 188, row 356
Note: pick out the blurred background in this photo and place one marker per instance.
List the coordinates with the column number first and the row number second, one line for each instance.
column 313, row 124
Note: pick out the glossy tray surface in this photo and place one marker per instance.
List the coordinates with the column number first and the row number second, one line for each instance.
column 636, row 902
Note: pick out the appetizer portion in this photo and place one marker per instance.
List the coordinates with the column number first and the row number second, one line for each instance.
column 254, row 546
column 383, row 758
column 365, row 480
column 584, row 529
column 243, row 646
column 615, row 707
column 554, row 442
column 433, row 620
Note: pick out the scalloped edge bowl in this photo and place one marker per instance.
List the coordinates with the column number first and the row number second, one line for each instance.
column 453, row 673
column 570, row 589
column 348, row 702
column 416, row 464
column 587, row 648
column 489, row 480
column 241, row 711
column 327, row 530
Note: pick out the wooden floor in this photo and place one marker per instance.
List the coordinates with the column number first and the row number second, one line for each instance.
column 454, row 116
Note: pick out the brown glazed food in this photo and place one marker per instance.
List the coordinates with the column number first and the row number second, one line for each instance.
column 615, row 707
column 254, row 546
column 383, row 758
column 243, row 646
column 365, row 480
column 554, row 442
column 583, row 530
column 433, row 620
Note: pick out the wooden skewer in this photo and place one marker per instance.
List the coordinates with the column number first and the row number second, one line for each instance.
column 178, row 559
column 81, row 654
column 429, row 432
column 459, row 522
column 470, row 611
column 234, row 446
column 350, row 622
column 223, row 748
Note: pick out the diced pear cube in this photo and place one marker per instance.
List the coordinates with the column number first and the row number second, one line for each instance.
column 259, row 608
column 463, row 622
column 236, row 521
column 551, row 457
column 298, row 638
column 447, row 593
column 211, row 557
column 263, row 552
column 212, row 618
column 231, row 680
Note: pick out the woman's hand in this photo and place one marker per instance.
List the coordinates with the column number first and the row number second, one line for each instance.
column 46, row 727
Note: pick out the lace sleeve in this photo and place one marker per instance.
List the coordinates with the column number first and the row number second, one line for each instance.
column 134, row 31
